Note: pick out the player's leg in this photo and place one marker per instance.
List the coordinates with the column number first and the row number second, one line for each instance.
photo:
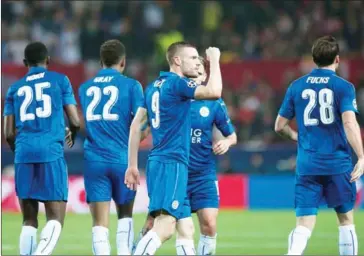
column 24, row 174
column 167, row 185
column 340, row 193
column 148, row 225
column 163, row 228
column 124, row 201
column 185, row 232
column 100, row 231
column 98, row 195
column 28, row 235
column 204, row 198
column 308, row 193
column 207, row 243
column 125, row 228
column 52, row 189
column 348, row 240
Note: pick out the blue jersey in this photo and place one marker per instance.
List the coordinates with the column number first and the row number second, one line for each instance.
column 317, row 100
column 109, row 101
column 37, row 102
column 204, row 115
column 168, row 102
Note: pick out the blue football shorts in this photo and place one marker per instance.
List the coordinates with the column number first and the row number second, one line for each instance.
column 337, row 190
column 42, row 181
column 167, row 188
column 105, row 181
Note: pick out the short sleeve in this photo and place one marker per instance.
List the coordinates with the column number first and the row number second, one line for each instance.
column 9, row 103
column 222, row 119
column 137, row 97
column 68, row 98
column 347, row 100
column 287, row 107
column 185, row 88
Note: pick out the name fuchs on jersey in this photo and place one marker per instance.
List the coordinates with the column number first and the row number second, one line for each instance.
column 317, row 80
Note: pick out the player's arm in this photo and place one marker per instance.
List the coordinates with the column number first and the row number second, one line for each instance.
column 137, row 102
column 348, row 109
column 9, row 120
column 352, row 131
column 74, row 123
column 69, row 107
column 132, row 173
column 10, row 131
column 224, row 132
column 145, row 128
column 286, row 113
column 222, row 144
column 282, row 128
column 135, row 135
column 213, row 89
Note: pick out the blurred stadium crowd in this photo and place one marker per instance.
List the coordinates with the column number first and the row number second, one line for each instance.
column 243, row 30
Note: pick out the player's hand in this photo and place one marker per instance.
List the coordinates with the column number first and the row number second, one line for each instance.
column 132, row 178
column 68, row 138
column 221, row 147
column 358, row 170
column 213, row 54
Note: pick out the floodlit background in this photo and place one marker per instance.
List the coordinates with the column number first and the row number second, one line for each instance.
column 265, row 45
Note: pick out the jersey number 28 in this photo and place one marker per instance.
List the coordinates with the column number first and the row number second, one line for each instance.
column 28, row 94
column 325, row 100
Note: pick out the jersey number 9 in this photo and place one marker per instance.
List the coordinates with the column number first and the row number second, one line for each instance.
column 41, row 112
column 155, row 109
column 94, row 91
column 325, row 99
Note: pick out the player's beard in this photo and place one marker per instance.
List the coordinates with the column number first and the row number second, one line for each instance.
column 191, row 74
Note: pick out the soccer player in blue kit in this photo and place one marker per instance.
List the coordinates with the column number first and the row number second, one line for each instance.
column 109, row 102
column 324, row 105
column 202, row 189
column 34, row 127
column 209, row 124
column 167, row 109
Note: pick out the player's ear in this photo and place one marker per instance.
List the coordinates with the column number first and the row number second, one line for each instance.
column 337, row 59
column 177, row 60
column 122, row 64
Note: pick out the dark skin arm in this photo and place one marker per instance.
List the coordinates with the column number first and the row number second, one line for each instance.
column 10, row 131
column 74, row 122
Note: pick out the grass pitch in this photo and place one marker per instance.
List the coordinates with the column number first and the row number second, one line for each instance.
column 239, row 232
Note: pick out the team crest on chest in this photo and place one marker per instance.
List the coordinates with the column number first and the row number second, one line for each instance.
column 204, row 111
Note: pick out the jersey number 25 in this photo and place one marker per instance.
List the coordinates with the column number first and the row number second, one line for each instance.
column 28, row 94
column 325, row 100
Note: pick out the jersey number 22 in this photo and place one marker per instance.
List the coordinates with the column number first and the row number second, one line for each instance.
column 94, row 91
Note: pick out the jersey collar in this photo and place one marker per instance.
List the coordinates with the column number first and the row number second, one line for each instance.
column 34, row 70
column 105, row 71
column 164, row 73
column 322, row 71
